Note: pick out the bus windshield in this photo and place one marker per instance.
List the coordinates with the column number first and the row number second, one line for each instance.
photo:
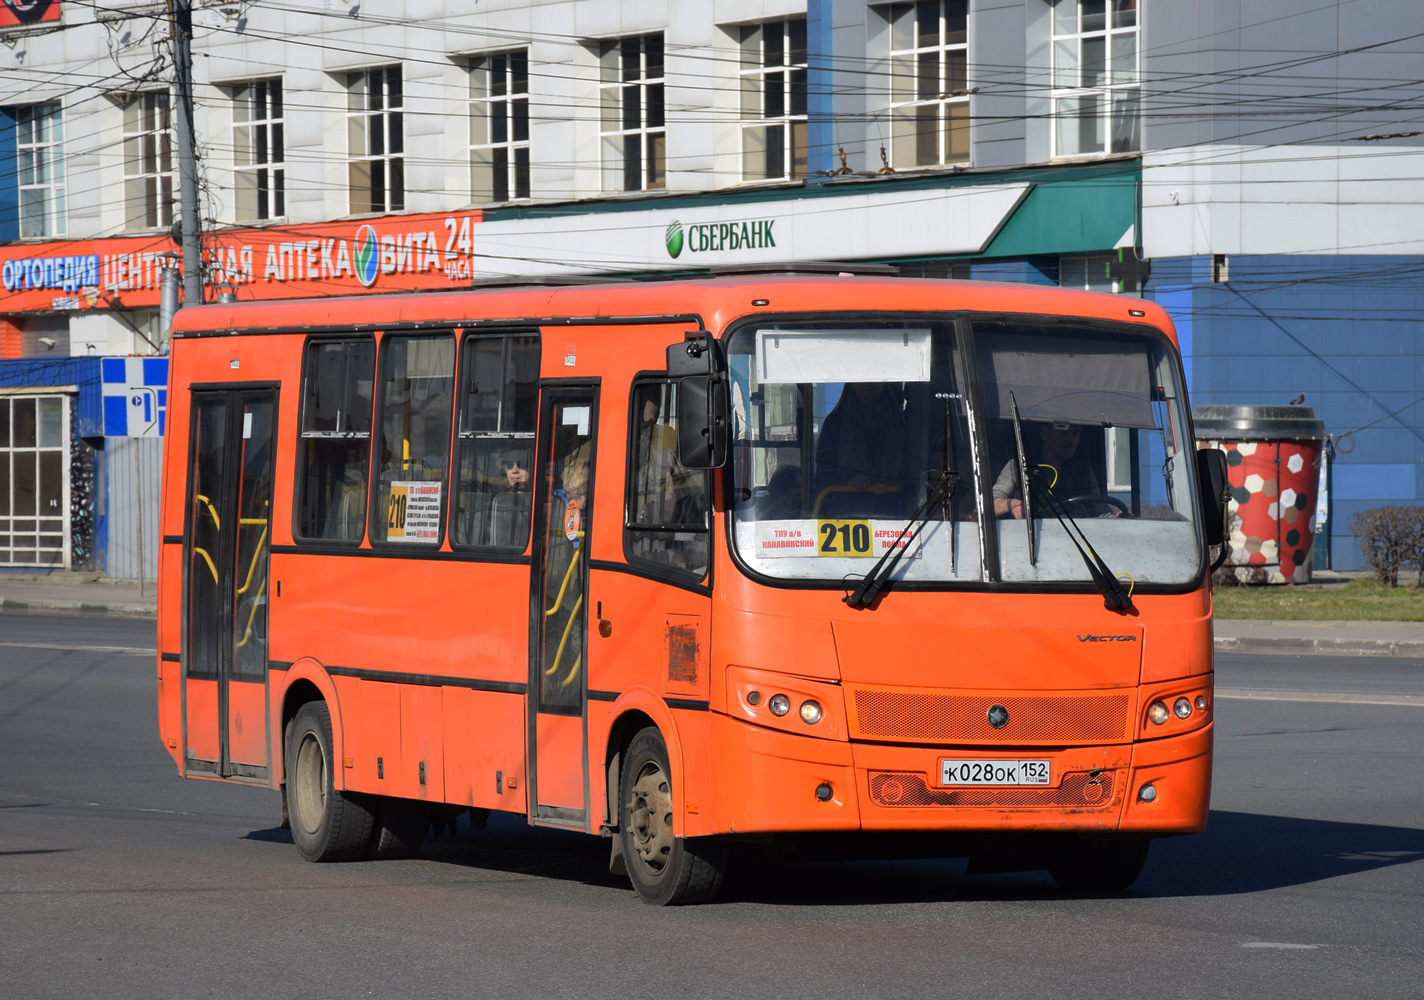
column 842, row 430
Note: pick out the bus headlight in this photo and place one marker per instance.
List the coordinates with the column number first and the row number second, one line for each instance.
column 779, row 705
column 1182, row 708
column 1157, row 713
column 810, row 712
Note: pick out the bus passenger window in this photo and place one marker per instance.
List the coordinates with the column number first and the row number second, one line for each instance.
column 499, row 412
column 669, row 507
column 413, row 440
column 335, row 439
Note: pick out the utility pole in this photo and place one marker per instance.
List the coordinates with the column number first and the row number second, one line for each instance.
column 187, row 154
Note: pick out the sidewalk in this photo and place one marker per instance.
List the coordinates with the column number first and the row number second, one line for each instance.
column 78, row 594
column 1343, row 638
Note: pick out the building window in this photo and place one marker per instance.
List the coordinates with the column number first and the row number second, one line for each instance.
column 929, row 85
column 40, row 151
column 1095, row 77
column 257, row 150
column 774, row 100
column 631, row 96
column 376, row 140
column 499, row 127
column 148, row 162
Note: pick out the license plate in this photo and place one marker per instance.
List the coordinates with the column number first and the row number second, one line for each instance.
column 993, row 772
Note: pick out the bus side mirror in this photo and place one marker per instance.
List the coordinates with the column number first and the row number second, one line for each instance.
column 1215, row 492
column 702, row 428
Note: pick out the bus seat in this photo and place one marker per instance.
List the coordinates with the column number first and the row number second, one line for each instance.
column 350, row 512
column 509, row 518
column 474, row 518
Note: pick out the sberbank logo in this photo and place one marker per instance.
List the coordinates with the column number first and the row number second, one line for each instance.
column 367, row 253
column 705, row 237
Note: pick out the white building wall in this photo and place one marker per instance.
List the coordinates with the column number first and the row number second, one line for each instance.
column 1308, row 199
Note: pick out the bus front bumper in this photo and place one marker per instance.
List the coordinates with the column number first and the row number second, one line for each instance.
column 768, row 782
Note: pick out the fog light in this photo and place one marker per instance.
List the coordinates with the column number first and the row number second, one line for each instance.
column 1147, row 793
column 754, row 698
column 1201, row 702
column 824, row 792
column 1157, row 712
column 1182, row 708
column 779, row 705
column 810, row 712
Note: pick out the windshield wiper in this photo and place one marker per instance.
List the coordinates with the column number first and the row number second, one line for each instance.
column 1116, row 597
column 871, row 584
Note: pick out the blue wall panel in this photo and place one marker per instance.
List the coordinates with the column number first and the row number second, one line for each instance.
column 1346, row 331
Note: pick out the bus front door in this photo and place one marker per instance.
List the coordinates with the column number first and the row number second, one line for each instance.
column 230, row 467
column 558, row 702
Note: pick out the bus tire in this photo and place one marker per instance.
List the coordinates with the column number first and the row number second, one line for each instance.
column 399, row 829
column 327, row 825
column 664, row 870
column 1099, row 865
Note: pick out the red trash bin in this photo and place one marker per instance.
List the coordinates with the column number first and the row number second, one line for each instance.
column 1273, row 456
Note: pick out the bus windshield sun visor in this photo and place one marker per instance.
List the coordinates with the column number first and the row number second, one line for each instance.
column 1084, row 381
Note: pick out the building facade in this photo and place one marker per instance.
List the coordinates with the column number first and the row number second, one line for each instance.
column 1260, row 160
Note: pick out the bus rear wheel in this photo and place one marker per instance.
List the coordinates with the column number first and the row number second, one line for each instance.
column 1099, row 865
column 665, row 870
column 327, row 825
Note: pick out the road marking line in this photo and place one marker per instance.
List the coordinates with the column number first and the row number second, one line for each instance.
column 1323, row 697
column 136, row 650
column 1280, row 944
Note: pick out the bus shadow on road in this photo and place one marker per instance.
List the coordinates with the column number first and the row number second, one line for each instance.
column 1240, row 853
column 1249, row 852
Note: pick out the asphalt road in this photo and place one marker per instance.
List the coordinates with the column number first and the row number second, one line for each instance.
column 119, row 879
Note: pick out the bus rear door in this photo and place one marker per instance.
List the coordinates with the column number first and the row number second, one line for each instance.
column 558, row 606
column 230, row 470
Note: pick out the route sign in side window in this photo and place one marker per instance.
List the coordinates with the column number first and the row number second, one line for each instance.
column 412, row 446
column 669, row 507
column 499, row 413
column 335, row 439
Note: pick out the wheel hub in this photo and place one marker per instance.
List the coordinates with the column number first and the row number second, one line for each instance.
column 311, row 785
column 650, row 817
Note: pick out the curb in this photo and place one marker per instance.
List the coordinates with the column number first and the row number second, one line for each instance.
column 79, row 608
column 1338, row 647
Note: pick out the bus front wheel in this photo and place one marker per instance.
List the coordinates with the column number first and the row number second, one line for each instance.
column 665, row 870
column 1099, row 865
column 327, row 825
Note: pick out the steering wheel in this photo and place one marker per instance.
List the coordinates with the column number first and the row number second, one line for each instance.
column 1099, row 498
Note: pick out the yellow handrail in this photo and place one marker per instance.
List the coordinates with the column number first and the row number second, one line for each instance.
column 252, row 616
column 568, row 575
column 256, row 555
column 209, row 560
column 559, row 653
column 211, row 509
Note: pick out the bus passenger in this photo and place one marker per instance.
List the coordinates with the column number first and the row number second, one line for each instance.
column 862, row 452
column 1069, row 475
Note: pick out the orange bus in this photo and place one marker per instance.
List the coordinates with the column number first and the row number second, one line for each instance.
column 693, row 564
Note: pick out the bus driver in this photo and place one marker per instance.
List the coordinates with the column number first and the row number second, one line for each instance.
column 1068, row 476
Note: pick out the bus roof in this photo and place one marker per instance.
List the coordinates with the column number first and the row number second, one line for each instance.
column 715, row 301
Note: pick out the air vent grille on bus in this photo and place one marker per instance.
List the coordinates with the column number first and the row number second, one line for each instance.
column 1081, row 790
column 922, row 717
